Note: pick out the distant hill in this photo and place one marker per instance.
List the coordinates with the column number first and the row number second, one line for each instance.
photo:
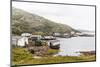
column 23, row 21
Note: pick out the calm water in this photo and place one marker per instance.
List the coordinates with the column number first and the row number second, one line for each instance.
column 72, row 46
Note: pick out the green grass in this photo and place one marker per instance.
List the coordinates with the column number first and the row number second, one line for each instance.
column 21, row 56
column 52, row 51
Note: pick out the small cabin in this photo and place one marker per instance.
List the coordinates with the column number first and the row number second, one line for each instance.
column 20, row 40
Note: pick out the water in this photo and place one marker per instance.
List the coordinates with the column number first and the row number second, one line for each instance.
column 72, row 46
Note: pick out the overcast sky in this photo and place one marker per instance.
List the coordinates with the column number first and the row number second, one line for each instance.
column 78, row 17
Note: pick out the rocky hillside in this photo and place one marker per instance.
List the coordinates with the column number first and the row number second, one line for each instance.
column 23, row 21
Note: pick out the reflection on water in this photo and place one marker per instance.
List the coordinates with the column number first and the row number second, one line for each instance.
column 72, row 46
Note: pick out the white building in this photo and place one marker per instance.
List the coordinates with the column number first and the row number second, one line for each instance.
column 22, row 41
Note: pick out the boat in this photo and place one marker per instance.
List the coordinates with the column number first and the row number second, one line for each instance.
column 54, row 44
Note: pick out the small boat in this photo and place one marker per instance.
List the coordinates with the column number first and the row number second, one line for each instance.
column 55, row 44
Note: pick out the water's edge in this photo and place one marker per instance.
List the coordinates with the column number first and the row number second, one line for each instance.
column 73, row 46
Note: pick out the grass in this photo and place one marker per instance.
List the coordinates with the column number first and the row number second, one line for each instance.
column 52, row 51
column 20, row 56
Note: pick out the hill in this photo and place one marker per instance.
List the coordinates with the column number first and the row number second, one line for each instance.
column 23, row 21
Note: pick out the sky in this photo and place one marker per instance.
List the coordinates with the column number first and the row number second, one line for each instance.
column 78, row 17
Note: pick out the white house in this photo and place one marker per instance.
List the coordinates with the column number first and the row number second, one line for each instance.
column 22, row 41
